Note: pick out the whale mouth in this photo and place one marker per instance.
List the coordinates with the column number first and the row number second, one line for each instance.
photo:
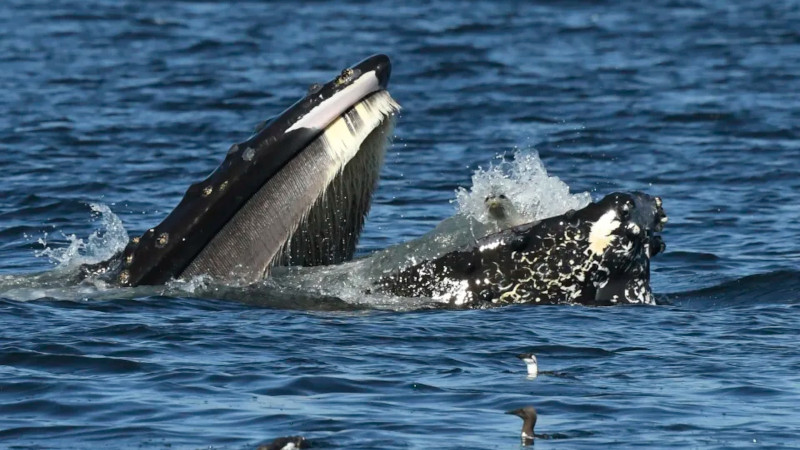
column 295, row 192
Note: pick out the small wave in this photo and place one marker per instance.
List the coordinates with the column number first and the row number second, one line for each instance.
column 774, row 287
column 312, row 385
column 747, row 391
column 59, row 363
column 267, row 295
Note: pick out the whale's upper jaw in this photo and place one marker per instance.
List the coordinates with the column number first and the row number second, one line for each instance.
column 165, row 251
column 638, row 218
column 636, row 207
column 324, row 103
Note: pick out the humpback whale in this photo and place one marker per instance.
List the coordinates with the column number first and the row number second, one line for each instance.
column 294, row 193
column 597, row 255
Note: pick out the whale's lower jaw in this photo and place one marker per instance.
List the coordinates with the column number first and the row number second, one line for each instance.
column 313, row 210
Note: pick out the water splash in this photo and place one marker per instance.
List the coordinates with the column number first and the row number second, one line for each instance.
column 102, row 244
column 533, row 194
column 524, row 181
column 193, row 285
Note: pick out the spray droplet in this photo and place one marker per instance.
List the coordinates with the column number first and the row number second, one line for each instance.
column 124, row 276
column 248, row 154
column 234, row 148
column 129, row 259
column 223, row 186
column 207, row 191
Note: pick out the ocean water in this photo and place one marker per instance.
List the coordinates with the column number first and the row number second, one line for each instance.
column 112, row 108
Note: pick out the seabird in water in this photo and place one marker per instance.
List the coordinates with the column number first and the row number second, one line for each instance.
column 285, row 443
column 528, row 416
column 531, row 363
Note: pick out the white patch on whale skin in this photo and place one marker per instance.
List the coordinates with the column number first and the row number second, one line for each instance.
column 600, row 235
column 491, row 245
column 324, row 113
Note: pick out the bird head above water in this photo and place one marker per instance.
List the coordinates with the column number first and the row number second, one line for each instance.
column 528, row 416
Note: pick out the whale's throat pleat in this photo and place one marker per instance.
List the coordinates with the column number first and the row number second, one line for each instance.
column 313, row 210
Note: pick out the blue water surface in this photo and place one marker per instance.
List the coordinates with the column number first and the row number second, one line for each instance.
column 126, row 103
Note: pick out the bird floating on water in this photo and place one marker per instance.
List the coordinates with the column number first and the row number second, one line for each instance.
column 528, row 416
column 285, row 443
column 531, row 363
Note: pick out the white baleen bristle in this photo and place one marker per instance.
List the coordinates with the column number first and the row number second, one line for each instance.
column 343, row 138
column 353, row 147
